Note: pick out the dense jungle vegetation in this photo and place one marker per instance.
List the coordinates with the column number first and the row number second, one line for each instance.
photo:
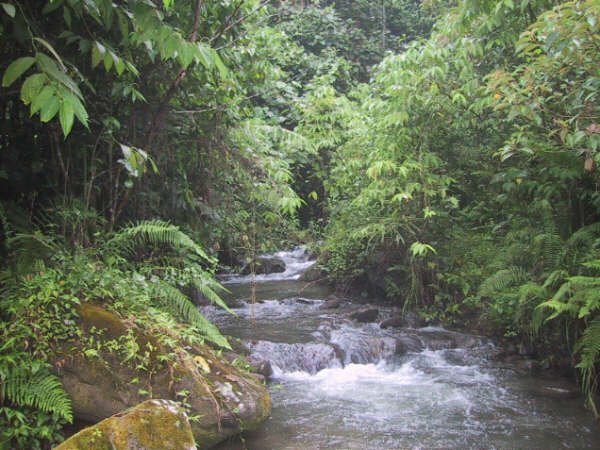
column 436, row 154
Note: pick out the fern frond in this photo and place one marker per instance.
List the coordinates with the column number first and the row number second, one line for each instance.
column 551, row 245
column 583, row 244
column 208, row 287
column 584, row 236
column 503, row 279
column 527, row 313
column 35, row 386
column 588, row 347
column 173, row 300
column 155, row 233
column 594, row 265
column 555, row 278
column 28, row 248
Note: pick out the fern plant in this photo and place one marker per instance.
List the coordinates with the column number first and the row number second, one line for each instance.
column 138, row 271
column 579, row 298
column 154, row 233
column 189, row 265
column 33, row 403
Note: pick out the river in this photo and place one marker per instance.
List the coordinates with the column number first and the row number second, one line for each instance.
column 340, row 384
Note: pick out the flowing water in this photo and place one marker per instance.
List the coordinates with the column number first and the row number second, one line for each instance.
column 339, row 384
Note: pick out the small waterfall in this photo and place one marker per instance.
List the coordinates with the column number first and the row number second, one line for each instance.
column 310, row 358
column 297, row 261
column 360, row 346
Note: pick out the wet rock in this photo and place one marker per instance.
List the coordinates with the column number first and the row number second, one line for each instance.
column 408, row 344
column 393, row 322
column 332, row 303
column 303, row 301
column 313, row 273
column 309, row 357
column 413, row 320
column 468, row 340
column 265, row 265
column 234, row 303
column 365, row 315
column 102, row 386
column 151, row 425
column 261, row 366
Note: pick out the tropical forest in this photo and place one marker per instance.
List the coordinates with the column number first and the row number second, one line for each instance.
column 303, row 224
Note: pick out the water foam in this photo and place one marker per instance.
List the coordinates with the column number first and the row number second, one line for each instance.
column 297, row 261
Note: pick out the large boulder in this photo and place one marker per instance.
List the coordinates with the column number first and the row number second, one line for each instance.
column 222, row 399
column 152, row 425
column 265, row 265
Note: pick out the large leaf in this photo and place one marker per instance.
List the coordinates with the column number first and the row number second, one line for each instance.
column 16, row 69
column 66, row 116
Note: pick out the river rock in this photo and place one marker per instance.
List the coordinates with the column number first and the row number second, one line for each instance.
column 313, row 273
column 265, row 265
column 261, row 366
column 365, row 315
column 393, row 322
column 408, row 343
column 151, row 425
column 225, row 399
column 332, row 303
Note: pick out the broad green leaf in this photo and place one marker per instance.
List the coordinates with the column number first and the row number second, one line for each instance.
column 119, row 65
column 108, row 61
column 32, row 86
column 52, row 51
column 223, row 71
column 98, row 51
column 205, row 55
column 16, row 69
column 66, row 116
column 9, row 9
column 42, row 98
column 47, row 65
column 49, row 108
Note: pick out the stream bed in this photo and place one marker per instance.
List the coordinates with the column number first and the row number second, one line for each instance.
column 340, row 384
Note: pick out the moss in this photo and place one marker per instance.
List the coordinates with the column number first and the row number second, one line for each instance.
column 101, row 319
column 152, row 425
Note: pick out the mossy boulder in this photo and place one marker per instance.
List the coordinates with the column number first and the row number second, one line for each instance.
column 221, row 399
column 152, row 425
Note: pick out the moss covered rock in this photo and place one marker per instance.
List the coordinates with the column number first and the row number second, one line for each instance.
column 220, row 399
column 152, row 425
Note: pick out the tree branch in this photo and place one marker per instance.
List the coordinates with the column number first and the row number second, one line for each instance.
column 157, row 121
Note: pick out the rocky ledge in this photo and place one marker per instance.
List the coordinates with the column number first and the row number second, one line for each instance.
column 220, row 399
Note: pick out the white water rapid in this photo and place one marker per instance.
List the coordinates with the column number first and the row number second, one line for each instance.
column 339, row 384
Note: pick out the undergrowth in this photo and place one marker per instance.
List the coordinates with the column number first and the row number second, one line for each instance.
column 138, row 272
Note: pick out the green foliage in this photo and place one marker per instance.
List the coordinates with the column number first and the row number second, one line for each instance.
column 35, row 387
column 579, row 297
column 137, row 271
